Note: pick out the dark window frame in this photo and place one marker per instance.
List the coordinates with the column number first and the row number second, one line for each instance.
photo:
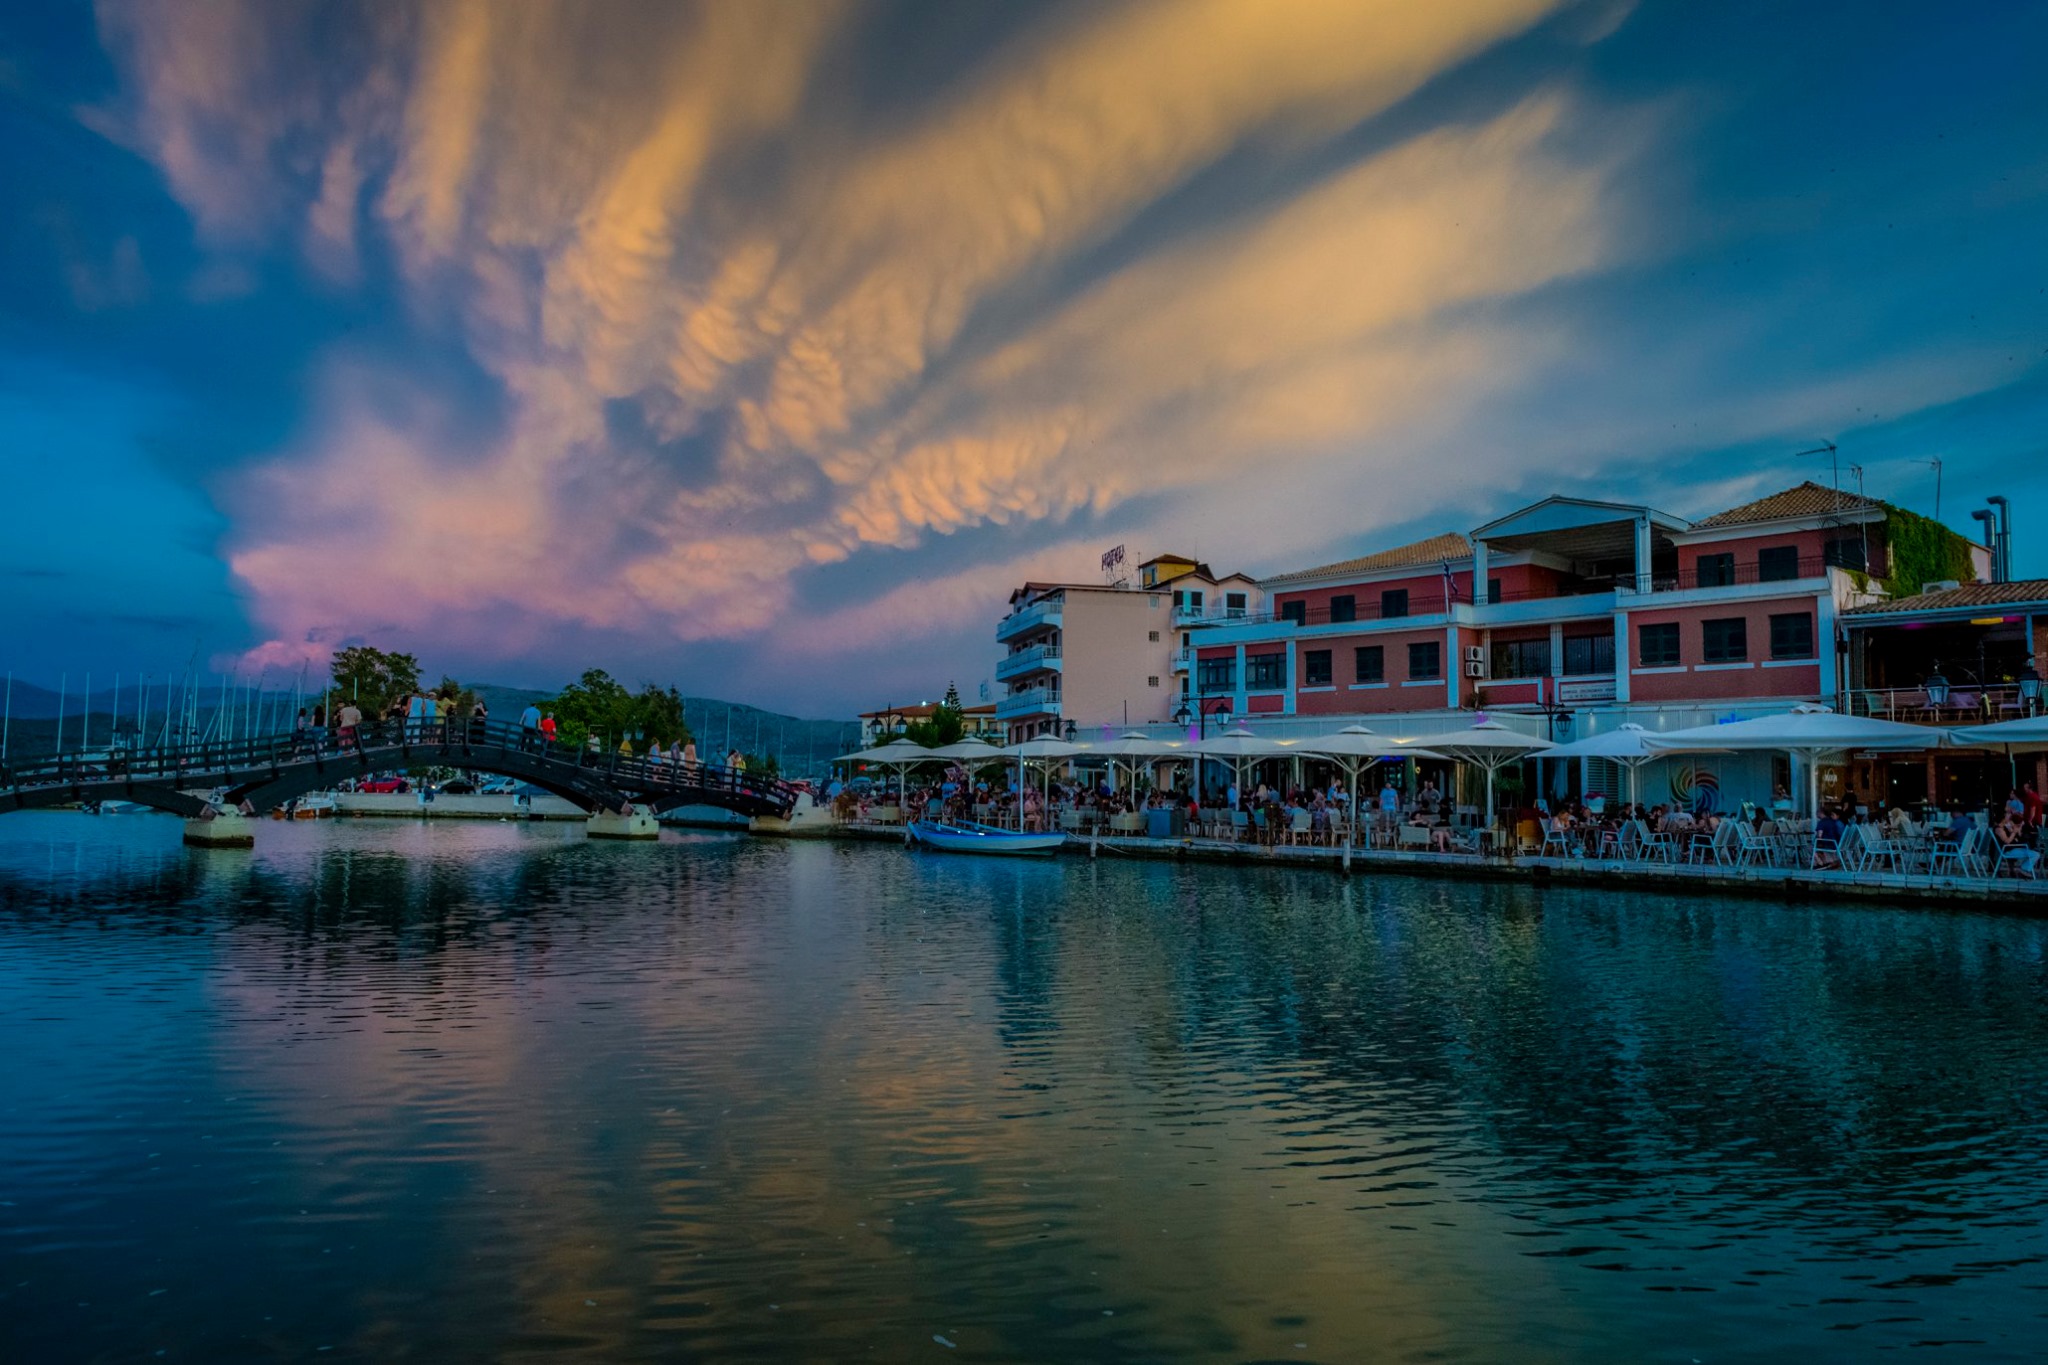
column 1789, row 643
column 1724, row 640
column 1777, row 563
column 1591, row 649
column 1213, row 676
column 1433, row 651
column 1515, row 659
column 1667, row 634
column 1317, row 670
column 1295, row 611
column 1393, row 604
column 1715, row 570
column 1343, row 607
column 1373, row 655
column 1265, row 672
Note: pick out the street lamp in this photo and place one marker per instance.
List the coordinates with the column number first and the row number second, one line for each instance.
column 1073, row 731
column 1936, row 688
column 2030, row 688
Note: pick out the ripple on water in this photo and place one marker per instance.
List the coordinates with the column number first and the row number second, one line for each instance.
column 497, row 1091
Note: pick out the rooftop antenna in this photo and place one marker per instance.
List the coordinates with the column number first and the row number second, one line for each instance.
column 1934, row 462
column 1834, row 461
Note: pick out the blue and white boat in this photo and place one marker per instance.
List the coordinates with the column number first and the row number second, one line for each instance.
column 965, row 836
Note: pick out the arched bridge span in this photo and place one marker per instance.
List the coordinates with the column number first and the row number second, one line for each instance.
column 273, row 769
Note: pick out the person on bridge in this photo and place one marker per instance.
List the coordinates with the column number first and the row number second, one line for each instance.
column 547, row 728
column 625, row 746
column 690, row 752
column 349, row 717
column 529, row 725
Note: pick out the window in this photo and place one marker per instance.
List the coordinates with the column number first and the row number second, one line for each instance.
column 1848, row 552
column 1297, row 612
column 1344, row 608
column 1153, row 636
column 1393, row 602
column 1425, row 660
column 1315, row 668
column 1216, row 675
column 1265, row 672
column 1369, row 663
column 1777, row 563
column 1493, row 590
column 1657, row 646
column 1792, row 636
column 1716, row 571
column 1233, row 604
column 1521, row 658
column 1188, row 602
column 1725, row 641
column 1151, row 682
column 1588, row 654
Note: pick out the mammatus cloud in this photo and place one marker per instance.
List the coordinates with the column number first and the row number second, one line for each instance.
column 837, row 331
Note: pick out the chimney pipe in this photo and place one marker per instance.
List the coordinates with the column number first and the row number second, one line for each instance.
column 1990, row 521
column 1998, row 501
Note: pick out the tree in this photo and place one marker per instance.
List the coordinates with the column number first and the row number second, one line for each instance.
column 372, row 678
column 946, row 725
column 599, row 704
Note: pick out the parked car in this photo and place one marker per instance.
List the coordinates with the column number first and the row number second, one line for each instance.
column 384, row 784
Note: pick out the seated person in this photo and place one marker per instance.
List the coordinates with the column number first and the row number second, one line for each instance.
column 1827, row 835
column 2013, row 847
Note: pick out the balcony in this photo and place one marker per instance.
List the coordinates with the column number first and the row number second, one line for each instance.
column 1043, row 616
column 1183, row 660
column 1965, row 704
column 1024, row 661
column 1032, row 701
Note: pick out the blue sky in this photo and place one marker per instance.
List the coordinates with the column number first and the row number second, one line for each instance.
column 762, row 348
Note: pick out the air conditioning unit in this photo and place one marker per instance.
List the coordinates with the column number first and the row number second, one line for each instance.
column 1474, row 669
column 1475, row 654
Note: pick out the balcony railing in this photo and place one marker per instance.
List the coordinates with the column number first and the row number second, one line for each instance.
column 1966, row 704
column 1027, row 661
column 1032, row 701
column 1031, row 618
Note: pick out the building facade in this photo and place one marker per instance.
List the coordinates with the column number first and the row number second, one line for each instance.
column 1085, row 659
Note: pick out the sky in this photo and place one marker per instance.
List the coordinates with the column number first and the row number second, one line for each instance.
column 764, row 348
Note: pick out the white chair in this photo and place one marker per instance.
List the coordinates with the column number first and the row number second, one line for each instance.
column 1556, row 842
column 1752, row 848
column 1648, row 845
column 1879, row 853
column 1963, row 858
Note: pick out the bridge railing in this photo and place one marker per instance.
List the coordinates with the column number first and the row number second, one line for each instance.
column 441, row 740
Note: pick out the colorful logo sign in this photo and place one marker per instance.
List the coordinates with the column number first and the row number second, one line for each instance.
column 1696, row 788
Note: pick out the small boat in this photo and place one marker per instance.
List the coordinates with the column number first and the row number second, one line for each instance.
column 964, row 836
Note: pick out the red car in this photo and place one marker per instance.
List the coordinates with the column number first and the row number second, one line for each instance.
column 384, row 784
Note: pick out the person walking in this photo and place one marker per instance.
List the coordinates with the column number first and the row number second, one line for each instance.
column 529, row 725
column 690, row 752
column 547, row 728
column 350, row 719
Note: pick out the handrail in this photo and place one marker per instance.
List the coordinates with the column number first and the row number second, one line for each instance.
column 191, row 763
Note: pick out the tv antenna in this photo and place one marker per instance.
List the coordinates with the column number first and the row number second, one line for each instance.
column 1934, row 463
column 1827, row 448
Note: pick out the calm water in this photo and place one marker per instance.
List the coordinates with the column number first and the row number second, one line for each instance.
column 391, row 1092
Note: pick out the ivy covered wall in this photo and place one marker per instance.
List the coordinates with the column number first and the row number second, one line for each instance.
column 1922, row 550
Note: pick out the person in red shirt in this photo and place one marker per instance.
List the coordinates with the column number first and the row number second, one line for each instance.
column 2031, row 801
column 547, row 728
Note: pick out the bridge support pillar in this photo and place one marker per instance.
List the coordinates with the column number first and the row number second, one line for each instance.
column 228, row 830
column 636, row 824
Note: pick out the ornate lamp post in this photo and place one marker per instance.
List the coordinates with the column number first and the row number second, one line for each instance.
column 1936, row 687
column 2030, row 689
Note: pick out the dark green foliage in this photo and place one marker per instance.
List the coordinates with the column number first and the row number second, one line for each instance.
column 1922, row 550
column 372, row 678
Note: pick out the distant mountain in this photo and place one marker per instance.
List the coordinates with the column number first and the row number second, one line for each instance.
column 802, row 747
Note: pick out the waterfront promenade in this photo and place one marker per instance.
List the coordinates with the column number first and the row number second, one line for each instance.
column 1614, row 874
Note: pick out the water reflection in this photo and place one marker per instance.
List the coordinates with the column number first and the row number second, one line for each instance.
column 498, row 1091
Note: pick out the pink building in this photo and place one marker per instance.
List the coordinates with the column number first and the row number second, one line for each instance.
column 1568, row 603
column 1084, row 658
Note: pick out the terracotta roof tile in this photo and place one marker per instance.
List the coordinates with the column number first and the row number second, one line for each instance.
column 1809, row 499
column 1435, row 550
column 2026, row 590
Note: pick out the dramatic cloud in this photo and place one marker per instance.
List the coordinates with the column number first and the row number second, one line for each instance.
column 725, row 305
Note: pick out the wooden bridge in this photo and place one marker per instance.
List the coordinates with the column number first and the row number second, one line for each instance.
column 200, row 781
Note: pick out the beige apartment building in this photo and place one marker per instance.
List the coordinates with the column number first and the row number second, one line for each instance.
column 1087, row 659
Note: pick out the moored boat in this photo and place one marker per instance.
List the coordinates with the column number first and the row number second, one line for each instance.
column 964, row 836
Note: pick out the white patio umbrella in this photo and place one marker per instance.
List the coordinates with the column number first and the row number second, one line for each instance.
column 1807, row 731
column 1045, row 751
column 1238, row 745
column 1488, row 745
column 900, row 754
column 1134, row 745
column 1356, row 748
column 2014, row 736
column 1623, row 745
